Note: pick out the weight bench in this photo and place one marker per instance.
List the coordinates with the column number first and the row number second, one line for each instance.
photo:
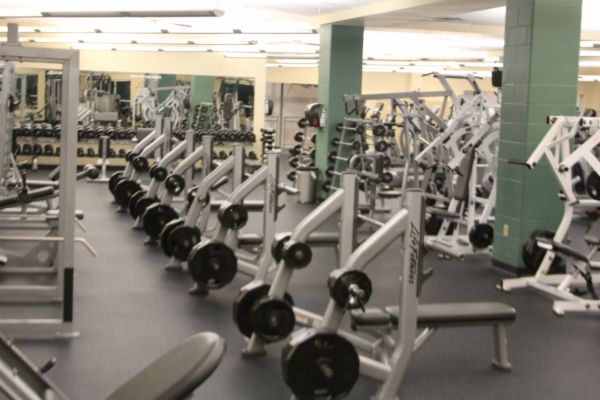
column 173, row 376
column 447, row 315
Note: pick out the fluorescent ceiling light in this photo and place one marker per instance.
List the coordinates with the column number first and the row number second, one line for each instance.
column 277, row 65
column 245, row 55
column 126, row 39
column 134, row 14
column 590, row 53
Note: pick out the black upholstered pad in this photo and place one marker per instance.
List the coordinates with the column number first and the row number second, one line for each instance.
column 34, row 194
column 445, row 314
column 440, row 315
column 176, row 373
column 563, row 250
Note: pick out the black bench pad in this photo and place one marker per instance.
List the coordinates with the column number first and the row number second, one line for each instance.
column 441, row 315
column 563, row 250
column 176, row 373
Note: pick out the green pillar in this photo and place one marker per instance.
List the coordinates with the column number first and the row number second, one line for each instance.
column 201, row 91
column 541, row 66
column 166, row 80
column 340, row 73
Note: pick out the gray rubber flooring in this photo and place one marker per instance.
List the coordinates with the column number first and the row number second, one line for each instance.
column 129, row 310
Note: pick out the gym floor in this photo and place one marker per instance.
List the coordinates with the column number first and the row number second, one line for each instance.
column 129, row 310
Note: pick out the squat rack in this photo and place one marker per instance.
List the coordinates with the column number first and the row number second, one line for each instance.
column 60, row 327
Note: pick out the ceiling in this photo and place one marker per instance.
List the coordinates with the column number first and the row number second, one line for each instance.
column 399, row 34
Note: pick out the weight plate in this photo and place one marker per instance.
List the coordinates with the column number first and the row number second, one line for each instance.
column 124, row 190
column 114, row 179
column 481, row 236
column 319, row 365
column 133, row 201
column 182, row 240
column 212, row 264
column 142, row 204
column 272, row 319
column 156, row 217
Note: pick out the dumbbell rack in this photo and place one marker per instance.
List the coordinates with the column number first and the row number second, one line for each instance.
column 39, row 143
column 303, row 153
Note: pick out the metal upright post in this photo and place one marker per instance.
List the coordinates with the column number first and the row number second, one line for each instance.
column 207, row 158
column 238, row 169
column 191, row 144
column 270, row 212
column 408, row 295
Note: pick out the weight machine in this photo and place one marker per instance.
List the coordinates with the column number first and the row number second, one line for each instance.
column 556, row 148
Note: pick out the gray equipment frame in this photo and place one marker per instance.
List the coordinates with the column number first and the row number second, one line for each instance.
column 60, row 327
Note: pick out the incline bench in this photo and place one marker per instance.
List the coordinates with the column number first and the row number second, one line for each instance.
column 173, row 376
column 445, row 315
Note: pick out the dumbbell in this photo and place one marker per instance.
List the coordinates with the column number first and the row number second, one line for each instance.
column 333, row 156
column 381, row 145
column 299, row 137
column 130, row 133
column 100, row 131
column 121, row 153
column 56, row 131
column 90, row 172
column 221, row 136
column 222, row 155
column 252, row 155
column 26, row 130
column 17, row 130
column 48, row 150
column 80, row 152
column 231, row 136
column 37, row 149
column 110, row 132
column 80, row 132
column 296, row 150
column 47, row 130
column 120, row 134
column 302, row 123
column 356, row 144
column 26, row 150
column 251, row 137
column 91, row 152
column 37, row 130
column 89, row 132
column 380, row 130
column 57, row 151
column 111, row 153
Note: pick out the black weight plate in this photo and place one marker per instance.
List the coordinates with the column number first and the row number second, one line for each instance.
column 319, row 365
column 124, row 190
column 212, row 264
column 481, row 236
column 182, row 240
column 156, row 217
column 142, row 204
column 114, row 179
column 165, row 243
column 133, row 201
column 244, row 302
column 272, row 319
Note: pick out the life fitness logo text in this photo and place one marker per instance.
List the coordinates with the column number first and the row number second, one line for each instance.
column 415, row 244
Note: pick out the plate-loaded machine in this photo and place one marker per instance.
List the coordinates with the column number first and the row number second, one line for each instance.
column 188, row 365
column 180, row 235
column 156, row 215
column 322, row 363
column 328, row 357
column 556, row 148
column 60, row 293
column 125, row 185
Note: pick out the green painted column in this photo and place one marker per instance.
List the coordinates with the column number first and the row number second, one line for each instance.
column 201, row 91
column 340, row 73
column 166, row 80
column 541, row 66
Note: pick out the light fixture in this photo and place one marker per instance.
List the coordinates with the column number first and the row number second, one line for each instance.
column 134, row 14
